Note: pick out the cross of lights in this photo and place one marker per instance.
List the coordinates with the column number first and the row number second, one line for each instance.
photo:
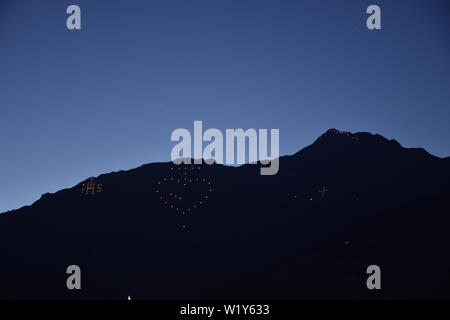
column 323, row 191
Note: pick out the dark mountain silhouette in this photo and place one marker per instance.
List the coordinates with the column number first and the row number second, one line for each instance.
column 243, row 235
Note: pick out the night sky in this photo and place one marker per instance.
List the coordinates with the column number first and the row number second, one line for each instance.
column 75, row 104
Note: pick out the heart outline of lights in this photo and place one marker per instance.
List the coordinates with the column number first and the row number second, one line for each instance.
column 170, row 199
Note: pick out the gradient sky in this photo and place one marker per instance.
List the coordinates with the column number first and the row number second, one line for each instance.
column 75, row 104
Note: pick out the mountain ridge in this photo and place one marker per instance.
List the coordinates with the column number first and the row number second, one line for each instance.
column 330, row 133
column 165, row 231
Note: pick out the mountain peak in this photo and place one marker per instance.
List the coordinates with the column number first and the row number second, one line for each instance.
column 334, row 140
column 333, row 133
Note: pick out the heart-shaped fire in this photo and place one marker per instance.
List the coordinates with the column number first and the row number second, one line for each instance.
column 184, row 189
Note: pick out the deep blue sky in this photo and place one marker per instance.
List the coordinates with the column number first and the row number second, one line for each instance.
column 75, row 104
